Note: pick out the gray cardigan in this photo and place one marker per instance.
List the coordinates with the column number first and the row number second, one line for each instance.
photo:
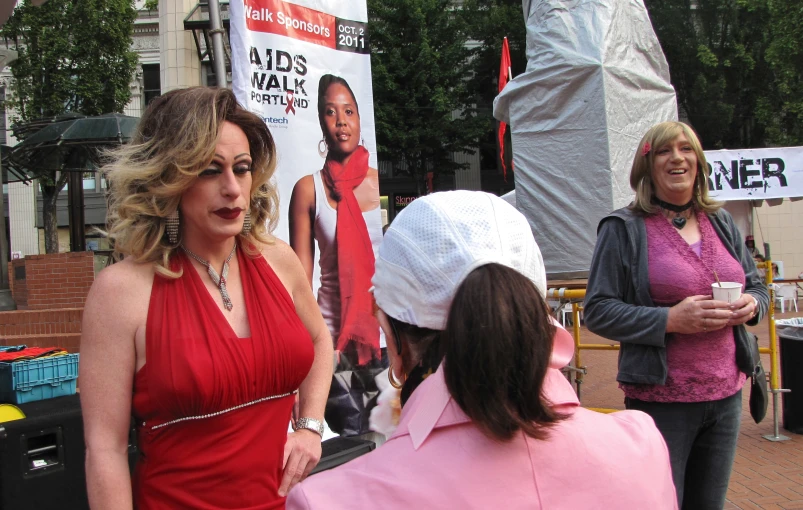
column 618, row 304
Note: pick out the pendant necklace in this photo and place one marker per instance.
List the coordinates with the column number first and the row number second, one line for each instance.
column 218, row 279
column 679, row 221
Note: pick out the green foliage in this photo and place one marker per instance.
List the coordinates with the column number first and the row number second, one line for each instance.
column 487, row 23
column 152, row 5
column 74, row 55
column 419, row 65
column 782, row 110
column 706, row 56
column 736, row 66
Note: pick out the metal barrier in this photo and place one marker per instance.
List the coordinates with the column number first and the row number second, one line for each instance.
column 575, row 297
column 775, row 384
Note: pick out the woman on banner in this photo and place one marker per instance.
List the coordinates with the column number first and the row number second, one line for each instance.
column 488, row 420
column 207, row 329
column 684, row 356
column 338, row 206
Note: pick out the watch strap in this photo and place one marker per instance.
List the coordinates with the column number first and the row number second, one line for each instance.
column 310, row 424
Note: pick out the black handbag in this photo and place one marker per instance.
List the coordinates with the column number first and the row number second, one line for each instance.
column 759, row 398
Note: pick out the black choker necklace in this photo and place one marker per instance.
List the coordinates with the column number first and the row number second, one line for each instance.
column 678, row 221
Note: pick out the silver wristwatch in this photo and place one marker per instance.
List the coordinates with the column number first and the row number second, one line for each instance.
column 311, row 424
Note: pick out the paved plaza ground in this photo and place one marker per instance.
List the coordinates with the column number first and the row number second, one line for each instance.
column 767, row 475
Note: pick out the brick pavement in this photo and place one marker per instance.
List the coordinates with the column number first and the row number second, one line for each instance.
column 766, row 474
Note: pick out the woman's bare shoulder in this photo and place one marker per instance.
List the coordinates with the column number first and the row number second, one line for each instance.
column 284, row 261
column 372, row 177
column 126, row 269
column 279, row 253
column 303, row 192
column 305, row 183
column 123, row 283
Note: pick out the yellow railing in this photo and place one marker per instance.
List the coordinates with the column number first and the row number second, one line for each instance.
column 575, row 296
column 772, row 350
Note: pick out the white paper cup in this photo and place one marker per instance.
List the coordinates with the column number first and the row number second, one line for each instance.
column 728, row 292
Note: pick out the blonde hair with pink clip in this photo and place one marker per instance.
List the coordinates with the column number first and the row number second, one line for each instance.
column 641, row 171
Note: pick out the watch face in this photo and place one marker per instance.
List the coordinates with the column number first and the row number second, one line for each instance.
column 311, row 424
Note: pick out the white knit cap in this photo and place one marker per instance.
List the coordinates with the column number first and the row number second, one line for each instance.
column 437, row 240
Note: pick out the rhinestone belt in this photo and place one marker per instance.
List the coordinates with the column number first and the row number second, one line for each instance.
column 224, row 411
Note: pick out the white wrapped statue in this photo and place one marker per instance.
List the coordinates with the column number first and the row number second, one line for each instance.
column 596, row 80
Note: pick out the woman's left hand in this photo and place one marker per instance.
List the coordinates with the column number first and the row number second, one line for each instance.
column 744, row 309
column 301, row 454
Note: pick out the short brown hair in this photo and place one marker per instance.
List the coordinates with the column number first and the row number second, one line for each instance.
column 641, row 171
column 496, row 350
column 174, row 142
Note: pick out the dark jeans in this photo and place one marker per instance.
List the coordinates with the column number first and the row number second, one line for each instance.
column 701, row 438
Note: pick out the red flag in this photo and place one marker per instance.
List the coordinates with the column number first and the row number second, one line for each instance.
column 504, row 76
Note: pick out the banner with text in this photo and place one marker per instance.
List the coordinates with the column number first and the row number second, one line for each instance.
column 280, row 53
column 305, row 68
column 755, row 174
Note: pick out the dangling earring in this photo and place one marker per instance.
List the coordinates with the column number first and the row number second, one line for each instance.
column 392, row 379
column 362, row 141
column 325, row 149
column 246, row 223
column 171, row 227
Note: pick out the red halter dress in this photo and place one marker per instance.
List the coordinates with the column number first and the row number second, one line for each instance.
column 212, row 409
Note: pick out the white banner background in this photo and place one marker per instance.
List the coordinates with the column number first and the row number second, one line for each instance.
column 756, row 174
column 280, row 51
column 297, row 134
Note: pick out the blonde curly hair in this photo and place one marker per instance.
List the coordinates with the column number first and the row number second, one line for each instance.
column 641, row 171
column 175, row 141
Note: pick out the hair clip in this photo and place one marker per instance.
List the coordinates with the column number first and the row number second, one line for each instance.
column 646, row 149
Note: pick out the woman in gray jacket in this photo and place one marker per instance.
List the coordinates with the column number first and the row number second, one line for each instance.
column 684, row 356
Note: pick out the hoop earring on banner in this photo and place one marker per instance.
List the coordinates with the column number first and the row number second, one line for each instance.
column 322, row 152
column 392, row 379
column 171, row 227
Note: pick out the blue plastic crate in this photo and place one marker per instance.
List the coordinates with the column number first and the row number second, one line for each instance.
column 12, row 348
column 38, row 379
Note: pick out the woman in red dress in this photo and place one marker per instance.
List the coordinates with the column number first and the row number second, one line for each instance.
column 207, row 329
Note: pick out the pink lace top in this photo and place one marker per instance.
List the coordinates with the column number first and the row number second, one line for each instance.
column 702, row 366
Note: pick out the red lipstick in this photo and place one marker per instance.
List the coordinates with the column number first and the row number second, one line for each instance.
column 228, row 214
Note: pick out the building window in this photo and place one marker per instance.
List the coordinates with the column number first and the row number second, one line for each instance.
column 89, row 180
column 151, row 81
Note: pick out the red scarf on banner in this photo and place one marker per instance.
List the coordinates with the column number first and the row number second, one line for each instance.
column 355, row 258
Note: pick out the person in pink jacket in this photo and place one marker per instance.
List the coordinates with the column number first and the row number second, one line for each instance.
column 488, row 420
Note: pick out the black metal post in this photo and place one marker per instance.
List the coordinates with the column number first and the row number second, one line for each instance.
column 75, row 206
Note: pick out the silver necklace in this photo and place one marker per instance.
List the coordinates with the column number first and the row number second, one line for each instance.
column 218, row 279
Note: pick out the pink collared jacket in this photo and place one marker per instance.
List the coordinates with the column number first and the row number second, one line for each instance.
column 438, row 459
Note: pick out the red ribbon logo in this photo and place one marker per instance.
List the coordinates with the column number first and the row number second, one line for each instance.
column 290, row 107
